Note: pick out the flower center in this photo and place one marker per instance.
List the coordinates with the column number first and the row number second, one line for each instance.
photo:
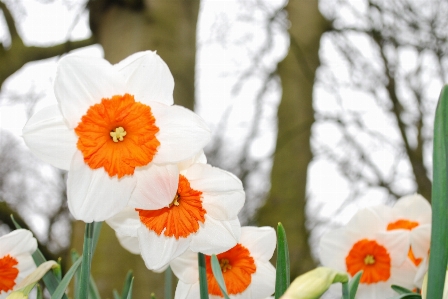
column 118, row 134
column 101, row 135
column 8, row 273
column 409, row 225
column 372, row 258
column 225, row 265
column 182, row 216
column 237, row 266
column 369, row 260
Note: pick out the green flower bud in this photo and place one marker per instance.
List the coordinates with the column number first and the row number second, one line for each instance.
column 314, row 283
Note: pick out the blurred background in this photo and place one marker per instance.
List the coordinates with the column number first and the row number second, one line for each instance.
column 319, row 107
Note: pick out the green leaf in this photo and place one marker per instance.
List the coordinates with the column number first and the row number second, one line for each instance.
column 408, row 296
column 51, row 281
column 75, row 256
column 401, row 290
column 203, row 289
column 282, row 275
column 345, row 291
column 439, row 232
column 353, row 284
column 217, row 273
column 116, row 295
column 129, row 296
column 86, row 261
column 60, row 290
column 40, row 294
column 96, row 234
column 93, row 290
column 127, row 286
column 168, row 283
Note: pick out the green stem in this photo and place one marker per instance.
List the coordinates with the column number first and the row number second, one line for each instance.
column 202, row 276
column 86, row 261
column 168, row 283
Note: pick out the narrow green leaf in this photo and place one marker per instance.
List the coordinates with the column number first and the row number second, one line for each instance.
column 345, row 291
column 93, row 289
column 86, row 261
column 129, row 296
column 217, row 273
column 168, row 283
column 40, row 294
column 353, row 284
column 60, row 290
column 401, row 290
column 116, row 295
column 51, row 281
column 282, row 276
column 439, row 232
column 75, row 256
column 203, row 288
column 58, row 270
column 408, row 296
column 127, row 286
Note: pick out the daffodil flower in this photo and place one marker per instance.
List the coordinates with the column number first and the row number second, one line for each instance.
column 114, row 126
column 246, row 269
column 200, row 216
column 364, row 244
column 15, row 259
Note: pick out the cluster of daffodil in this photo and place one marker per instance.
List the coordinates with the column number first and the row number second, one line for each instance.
column 136, row 161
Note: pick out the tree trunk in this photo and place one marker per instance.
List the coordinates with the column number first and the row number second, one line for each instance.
column 170, row 28
column 287, row 198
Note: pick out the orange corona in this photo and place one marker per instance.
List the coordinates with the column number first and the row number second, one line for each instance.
column 8, row 273
column 118, row 134
column 181, row 218
column 372, row 258
column 237, row 267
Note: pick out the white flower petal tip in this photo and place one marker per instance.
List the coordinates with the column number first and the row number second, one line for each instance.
column 93, row 195
column 147, row 77
column 258, row 283
column 49, row 138
column 16, row 249
column 313, row 284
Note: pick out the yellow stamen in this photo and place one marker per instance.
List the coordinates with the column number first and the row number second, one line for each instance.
column 118, row 134
column 369, row 259
column 225, row 265
column 175, row 201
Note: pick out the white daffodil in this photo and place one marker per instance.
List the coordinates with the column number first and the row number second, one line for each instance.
column 246, row 269
column 114, row 124
column 16, row 262
column 364, row 244
column 201, row 216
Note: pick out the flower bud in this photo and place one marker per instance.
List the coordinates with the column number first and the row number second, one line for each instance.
column 314, row 283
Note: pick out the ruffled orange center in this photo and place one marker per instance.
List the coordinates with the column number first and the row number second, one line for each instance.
column 118, row 134
column 372, row 258
column 409, row 225
column 181, row 218
column 237, row 267
column 8, row 273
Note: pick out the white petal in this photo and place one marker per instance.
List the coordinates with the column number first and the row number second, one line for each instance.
column 18, row 242
column 397, row 243
column 93, row 195
column 420, row 240
column 126, row 222
column 147, row 77
column 131, row 244
column 157, row 251
column 182, row 133
column 367, row 223
column 404, row 275
column 334, row 247
column 25, row 266
column 49, row 138
column 260, row 241
column 187, row 291
column 82, row 82
column 198, row 158
column 185, row 267
column 156, row 186
column 263, row 282
column 415, row 208
column 216, row 236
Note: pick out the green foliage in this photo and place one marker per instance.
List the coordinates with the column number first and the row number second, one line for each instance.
column 401, row 290
column 353, row 284
column 217, row 273
column 439, row 233
column 203, row 288
column 60, row 290
column 282, row 276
